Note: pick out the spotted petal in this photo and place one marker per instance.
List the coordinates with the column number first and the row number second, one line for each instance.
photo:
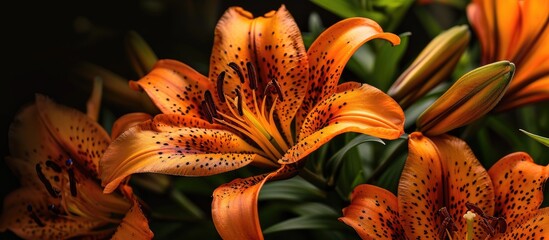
column 465, row 180
column 420, row 190
column 31, row 145
column 234, row 206
column 373, row 213
column 177, row 145
column 330, row 52
column 356, row 108
column 26, row 213
column 174, row 87
column 533, row 227
column 271, row 43
column 81, row 137
column 518, row 184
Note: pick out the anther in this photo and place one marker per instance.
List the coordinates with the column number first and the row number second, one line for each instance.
column 206, row 111
column 448, row 224
column 210, row 103
column 274, row 85
column 238, row 71
column 53, row 166
column 252, row 76
column 46, row 182
column 220, row 79
column 239, row 102
column 35, row 217
column 72, row 180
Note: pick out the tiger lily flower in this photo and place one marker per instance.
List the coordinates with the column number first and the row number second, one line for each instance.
column 516, row 31
column 266, row 102
column 55, row 152
column 445, row 192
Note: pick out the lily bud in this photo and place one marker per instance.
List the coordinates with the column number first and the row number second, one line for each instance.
column 434, row 64
column 471, row 96
column 140, row 53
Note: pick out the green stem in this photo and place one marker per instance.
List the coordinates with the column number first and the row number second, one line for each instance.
column 313, row 178
column 187, row 204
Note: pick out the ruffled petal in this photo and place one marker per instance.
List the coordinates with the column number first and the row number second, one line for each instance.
column 234, row 206
column 175, row 87
column 518, row 184
column 465, row 180
column 330, row 52
column 177, row 145
column 373, row 213
column 421, row 189
column 357, row 108
column 78, row 135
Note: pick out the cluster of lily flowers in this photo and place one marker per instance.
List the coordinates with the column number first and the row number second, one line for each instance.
column 269, row 102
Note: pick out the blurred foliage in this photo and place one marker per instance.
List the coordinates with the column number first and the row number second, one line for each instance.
column 46, row 52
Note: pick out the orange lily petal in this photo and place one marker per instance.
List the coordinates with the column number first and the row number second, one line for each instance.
column 76, row 133
column 174, row 87
column 465, row 180
column 234, row 206
column 373, row 213
column 26, row 214
column 177, row 145
column 272, row 44
column 534, row 17
column 481, row 16
column 534, row 227
column 330, row 52
column 535, row 92
column 534, row 66
column 507, row 19
column 135, row 225
column 126, row 122
column 31, row 145
column 518, row 184
column 420, row 190
column 357, row 108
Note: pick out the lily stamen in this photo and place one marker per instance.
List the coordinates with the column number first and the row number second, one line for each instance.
column 72, row 180
column 252, row 75
column 448, row 225
column 220, row 79
column 53, row 166
column 490, row 224
column 238, row 71
column 54, row 193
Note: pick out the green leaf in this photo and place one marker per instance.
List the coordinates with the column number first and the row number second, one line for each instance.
column 314, row 208
column 307, row 222
column 542, row 140
column 337, row 157
column 387, row 61
column 293, row 189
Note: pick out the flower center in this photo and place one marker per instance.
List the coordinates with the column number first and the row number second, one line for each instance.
column 75, row 204
column 256, row 122
column 490, row 225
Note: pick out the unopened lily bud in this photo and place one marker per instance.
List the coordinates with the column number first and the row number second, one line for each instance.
column 434, row 64
column 140, row 53
column 471, row 96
